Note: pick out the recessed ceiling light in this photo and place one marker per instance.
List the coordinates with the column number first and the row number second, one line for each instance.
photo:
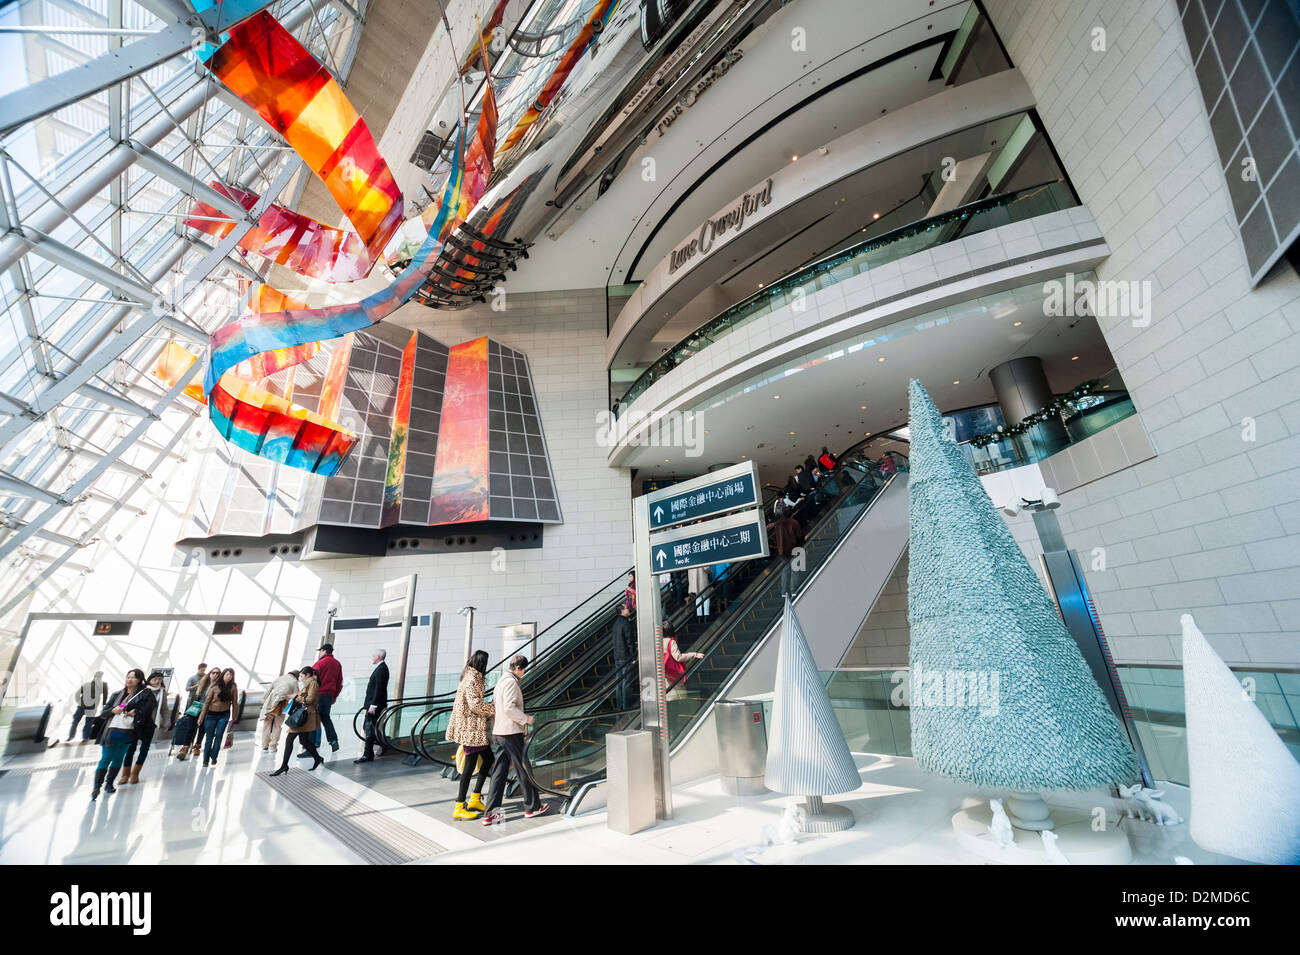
column 864, row 407
column 665, row 460
column 774, row 397
column 794, row 158
column 1017, row 324
column 792, row 433
column 955, row 383
column 1074, row 358
column 874, row 215
column 881, row 358
column 760, row 284
column 1105, row 386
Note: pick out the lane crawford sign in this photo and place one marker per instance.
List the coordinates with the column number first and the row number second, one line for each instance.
column 733, row 220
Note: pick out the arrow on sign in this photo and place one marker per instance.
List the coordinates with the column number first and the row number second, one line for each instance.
column 659, row 556
column 659, row 513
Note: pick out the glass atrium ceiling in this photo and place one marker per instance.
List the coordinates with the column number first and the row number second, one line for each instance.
column 97, row 271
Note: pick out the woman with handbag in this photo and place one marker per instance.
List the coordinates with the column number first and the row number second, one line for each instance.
column 188, row 729
column 218, row 707
column 146, row 727
column 301, row 720
column 468, row 727
column 675, row 661
column 117, row 728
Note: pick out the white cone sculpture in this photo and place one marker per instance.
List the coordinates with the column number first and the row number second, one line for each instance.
column 1245, row 782
column 807, row 754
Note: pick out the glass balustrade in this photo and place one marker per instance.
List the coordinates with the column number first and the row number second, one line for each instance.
column 906, row 240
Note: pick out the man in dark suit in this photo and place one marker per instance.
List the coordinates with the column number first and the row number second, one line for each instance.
column 375, row 704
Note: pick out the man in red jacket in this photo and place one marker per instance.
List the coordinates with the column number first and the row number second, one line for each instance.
column 330, row 672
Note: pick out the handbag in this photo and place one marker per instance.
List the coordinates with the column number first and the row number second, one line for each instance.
column 295, row 714
column 460, row 760
column 230, row 740
column 673, row 671
column 194, row 709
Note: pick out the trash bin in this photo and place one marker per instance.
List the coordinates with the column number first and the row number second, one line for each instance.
column 742, row 746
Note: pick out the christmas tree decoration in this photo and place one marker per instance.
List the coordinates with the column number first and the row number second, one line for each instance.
column 1000, row 694
column 807, row 754
column 1245, row 783
column 1058, row 404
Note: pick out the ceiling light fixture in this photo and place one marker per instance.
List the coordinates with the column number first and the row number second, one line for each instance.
column 957, row 382
column 775, row 397
column 881, row 358
column 794, row 158
column 1017, row 324
column 874, row 215
column 1075, row 358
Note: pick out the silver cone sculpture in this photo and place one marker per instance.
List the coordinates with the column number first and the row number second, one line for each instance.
column 807, row 754
column 1245, row 783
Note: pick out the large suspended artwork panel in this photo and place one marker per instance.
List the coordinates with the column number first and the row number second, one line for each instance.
column 444, row 436
column 269, row 70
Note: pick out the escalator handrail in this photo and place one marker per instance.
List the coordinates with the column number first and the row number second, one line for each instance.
column 719, row 634
column 359, row 715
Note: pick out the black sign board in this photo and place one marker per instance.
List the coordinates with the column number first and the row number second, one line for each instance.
column 112, row 628
column 226, row 628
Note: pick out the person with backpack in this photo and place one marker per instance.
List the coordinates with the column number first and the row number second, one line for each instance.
column 219, row 706
column 117, row 728
column 468, row 726
column 89, row 699
column 307, row 699
column 146, row 727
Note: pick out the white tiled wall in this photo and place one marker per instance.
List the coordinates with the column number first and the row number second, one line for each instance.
column 563, row 333
column 1212, row 524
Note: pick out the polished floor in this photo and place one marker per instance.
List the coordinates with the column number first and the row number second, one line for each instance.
column 183, row 814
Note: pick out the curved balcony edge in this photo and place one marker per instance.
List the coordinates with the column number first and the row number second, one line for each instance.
column 1007, row 257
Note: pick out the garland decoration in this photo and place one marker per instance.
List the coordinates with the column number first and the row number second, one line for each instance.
column 1058, row 404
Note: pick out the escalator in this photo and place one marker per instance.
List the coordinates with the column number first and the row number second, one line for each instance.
column 566, row 749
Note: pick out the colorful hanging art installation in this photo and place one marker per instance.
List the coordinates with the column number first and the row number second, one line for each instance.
column 596, row 22
column 460, row 470
column 401, row 428
column 271, row 72
column 308, row 247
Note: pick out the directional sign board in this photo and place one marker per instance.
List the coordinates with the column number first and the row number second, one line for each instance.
column 725, row 540
column 715, row 493
column 393, row 607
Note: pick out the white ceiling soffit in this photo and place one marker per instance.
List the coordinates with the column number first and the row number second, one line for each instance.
column 936, row 118
column 770, row 79
column 822, row 392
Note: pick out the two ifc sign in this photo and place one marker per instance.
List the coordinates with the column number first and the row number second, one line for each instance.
column 732, row 220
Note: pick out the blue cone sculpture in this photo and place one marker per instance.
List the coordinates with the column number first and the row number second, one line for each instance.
column 1000, row 694
column 807, row 754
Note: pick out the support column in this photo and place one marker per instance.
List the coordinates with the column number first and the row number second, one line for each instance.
column 1021, row 388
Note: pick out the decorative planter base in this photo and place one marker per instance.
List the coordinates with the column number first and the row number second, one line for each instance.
column 1073, row 828
column 820, row 817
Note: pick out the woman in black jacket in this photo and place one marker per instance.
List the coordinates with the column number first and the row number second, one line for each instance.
column 146, row 727
column 118, row 728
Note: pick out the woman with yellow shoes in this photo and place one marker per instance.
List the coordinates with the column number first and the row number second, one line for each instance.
column 468, row 727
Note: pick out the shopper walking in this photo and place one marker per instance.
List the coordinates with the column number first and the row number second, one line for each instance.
column 508, row 727
column 375, row 703
column 281, row 691
column 330, row 674
column 624, row 634
column 218, row 709
column 308, row 696
column 193, row 741
column 468, row 728
column 89, row 699
column 192, row 684
column 117, row 729
column 146, row 728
